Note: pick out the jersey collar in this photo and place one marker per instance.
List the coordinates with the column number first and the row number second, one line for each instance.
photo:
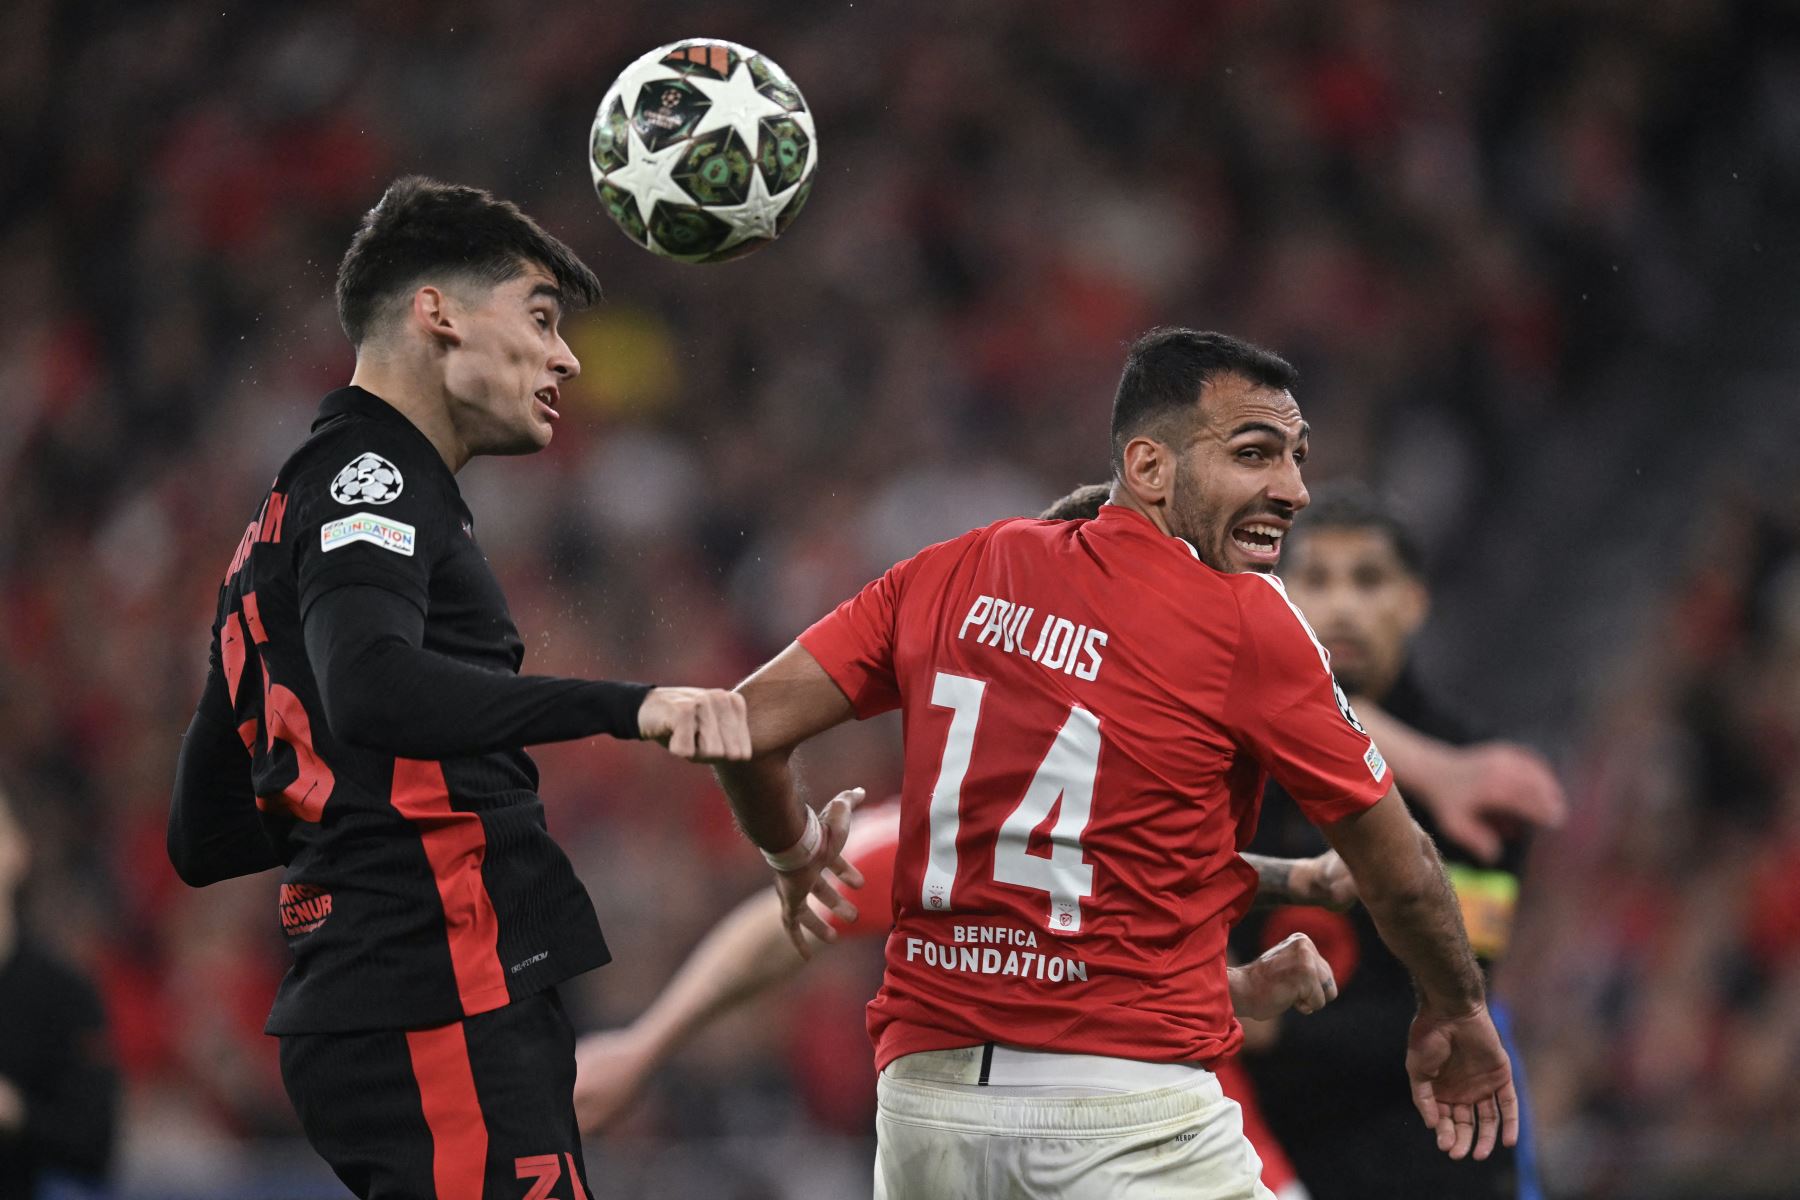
column 352, row 401
column 1118, row 516
column 355, row 402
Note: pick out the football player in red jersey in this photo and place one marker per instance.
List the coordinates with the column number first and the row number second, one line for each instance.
column 748, row 952
column 1081, row 773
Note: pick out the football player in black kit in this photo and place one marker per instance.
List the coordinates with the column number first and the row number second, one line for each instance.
column 363, row 723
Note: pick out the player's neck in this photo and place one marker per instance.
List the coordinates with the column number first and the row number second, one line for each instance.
column 419, row 401
column 1121, row 495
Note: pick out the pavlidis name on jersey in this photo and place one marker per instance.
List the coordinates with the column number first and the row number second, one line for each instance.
column 1061, row 644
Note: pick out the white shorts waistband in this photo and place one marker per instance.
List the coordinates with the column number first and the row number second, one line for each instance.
column 1011, row 1066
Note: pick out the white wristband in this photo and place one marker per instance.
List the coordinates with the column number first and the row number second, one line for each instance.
column 800, row 854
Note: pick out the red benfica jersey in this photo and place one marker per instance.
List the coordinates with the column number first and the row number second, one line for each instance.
column 1090, row 713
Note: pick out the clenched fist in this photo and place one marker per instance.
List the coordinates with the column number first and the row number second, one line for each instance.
column 698, row 724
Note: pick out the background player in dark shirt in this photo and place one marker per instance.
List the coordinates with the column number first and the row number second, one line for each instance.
column 364, row 723
column 1324, row 1084
column 58, row 1090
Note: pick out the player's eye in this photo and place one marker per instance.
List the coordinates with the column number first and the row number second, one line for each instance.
column 1251, row 454
column 543, row 320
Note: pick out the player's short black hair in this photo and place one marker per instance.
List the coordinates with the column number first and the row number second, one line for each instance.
column 1346, row 504
column 1082, row 504
column 1165, row 372
column 423, row 227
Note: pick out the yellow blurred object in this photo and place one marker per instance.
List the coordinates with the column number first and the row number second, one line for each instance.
column 1488, row 899
column 628, row 364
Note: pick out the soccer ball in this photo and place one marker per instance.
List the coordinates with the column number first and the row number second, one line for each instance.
column 703, row 150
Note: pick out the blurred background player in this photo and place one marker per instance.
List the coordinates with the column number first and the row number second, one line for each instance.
column 363, row 723
column 58, row 1089
column 1329, row 1088
column 991, row 1073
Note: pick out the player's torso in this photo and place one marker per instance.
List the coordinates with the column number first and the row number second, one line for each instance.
column 301, row 769
column 1070, row 815
column 446, row 865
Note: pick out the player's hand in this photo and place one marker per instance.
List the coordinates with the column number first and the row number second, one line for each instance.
column 1492, row 790
column 1325, row 881
column 799, row 887
column 12, row 1107
column 698, row 724
column 610, row 1070
column 1462, row 1082
column 1292, row 974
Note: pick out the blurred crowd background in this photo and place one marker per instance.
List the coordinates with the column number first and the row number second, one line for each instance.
column 1535, row 260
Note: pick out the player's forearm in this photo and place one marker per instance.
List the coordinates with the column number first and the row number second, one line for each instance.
column 1403, row 885
column 383, row 690
column 740, row 958
column 1280, row 880
column 763, row 800
column 215, row 831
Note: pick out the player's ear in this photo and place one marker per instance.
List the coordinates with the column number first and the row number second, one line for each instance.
column 1148, row 470
column 434, row 314
column 1415, row 605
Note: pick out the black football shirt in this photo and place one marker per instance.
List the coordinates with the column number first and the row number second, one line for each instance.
column 421, row 883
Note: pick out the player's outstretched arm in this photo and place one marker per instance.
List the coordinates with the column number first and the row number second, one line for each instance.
column 745, row 954
column 214, row 830
column 382, row 689
column 1473, row 792
column 1461, row 1076
column 789, row 699
column 1322, row 881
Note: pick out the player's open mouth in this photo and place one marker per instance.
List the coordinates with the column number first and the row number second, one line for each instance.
column 547, row 397
column 1259, row 540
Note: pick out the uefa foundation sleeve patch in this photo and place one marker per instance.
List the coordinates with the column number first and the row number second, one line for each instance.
column 396, row 536
column 1372, row 759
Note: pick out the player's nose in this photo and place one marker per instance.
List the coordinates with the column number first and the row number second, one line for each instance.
column 563, row 362
column 1288, row 488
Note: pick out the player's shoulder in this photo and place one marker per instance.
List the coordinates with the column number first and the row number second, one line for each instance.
column 359, row 460
column 1268, row 618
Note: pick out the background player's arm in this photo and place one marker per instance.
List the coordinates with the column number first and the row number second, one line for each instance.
column 1477, row 794
column 1323, row 880
column 383, row 690
column 1457, row 1064
column 215, row 831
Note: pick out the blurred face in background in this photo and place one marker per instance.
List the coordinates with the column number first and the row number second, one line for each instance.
column 1237, row 482
column 504, row 373
column 1360, row 599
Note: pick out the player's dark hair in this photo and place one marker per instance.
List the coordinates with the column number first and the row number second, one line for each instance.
column 1082, row 504
column 1347, row 504
column 1167, row 369
column 423, row 228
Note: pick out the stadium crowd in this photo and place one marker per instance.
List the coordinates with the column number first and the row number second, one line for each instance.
column 1455, row 218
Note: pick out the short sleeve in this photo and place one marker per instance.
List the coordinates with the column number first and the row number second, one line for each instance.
column 368, row 510
column 855, row 644
column 1288, row 712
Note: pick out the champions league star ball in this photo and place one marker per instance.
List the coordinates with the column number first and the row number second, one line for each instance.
column 703, row 150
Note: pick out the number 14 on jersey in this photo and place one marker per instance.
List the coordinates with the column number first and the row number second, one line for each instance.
column 1067, row 771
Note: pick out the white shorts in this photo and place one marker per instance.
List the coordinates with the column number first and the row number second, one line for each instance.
column 1057, row 1127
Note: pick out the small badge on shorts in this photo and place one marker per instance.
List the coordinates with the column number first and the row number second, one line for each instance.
column 367, row 479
